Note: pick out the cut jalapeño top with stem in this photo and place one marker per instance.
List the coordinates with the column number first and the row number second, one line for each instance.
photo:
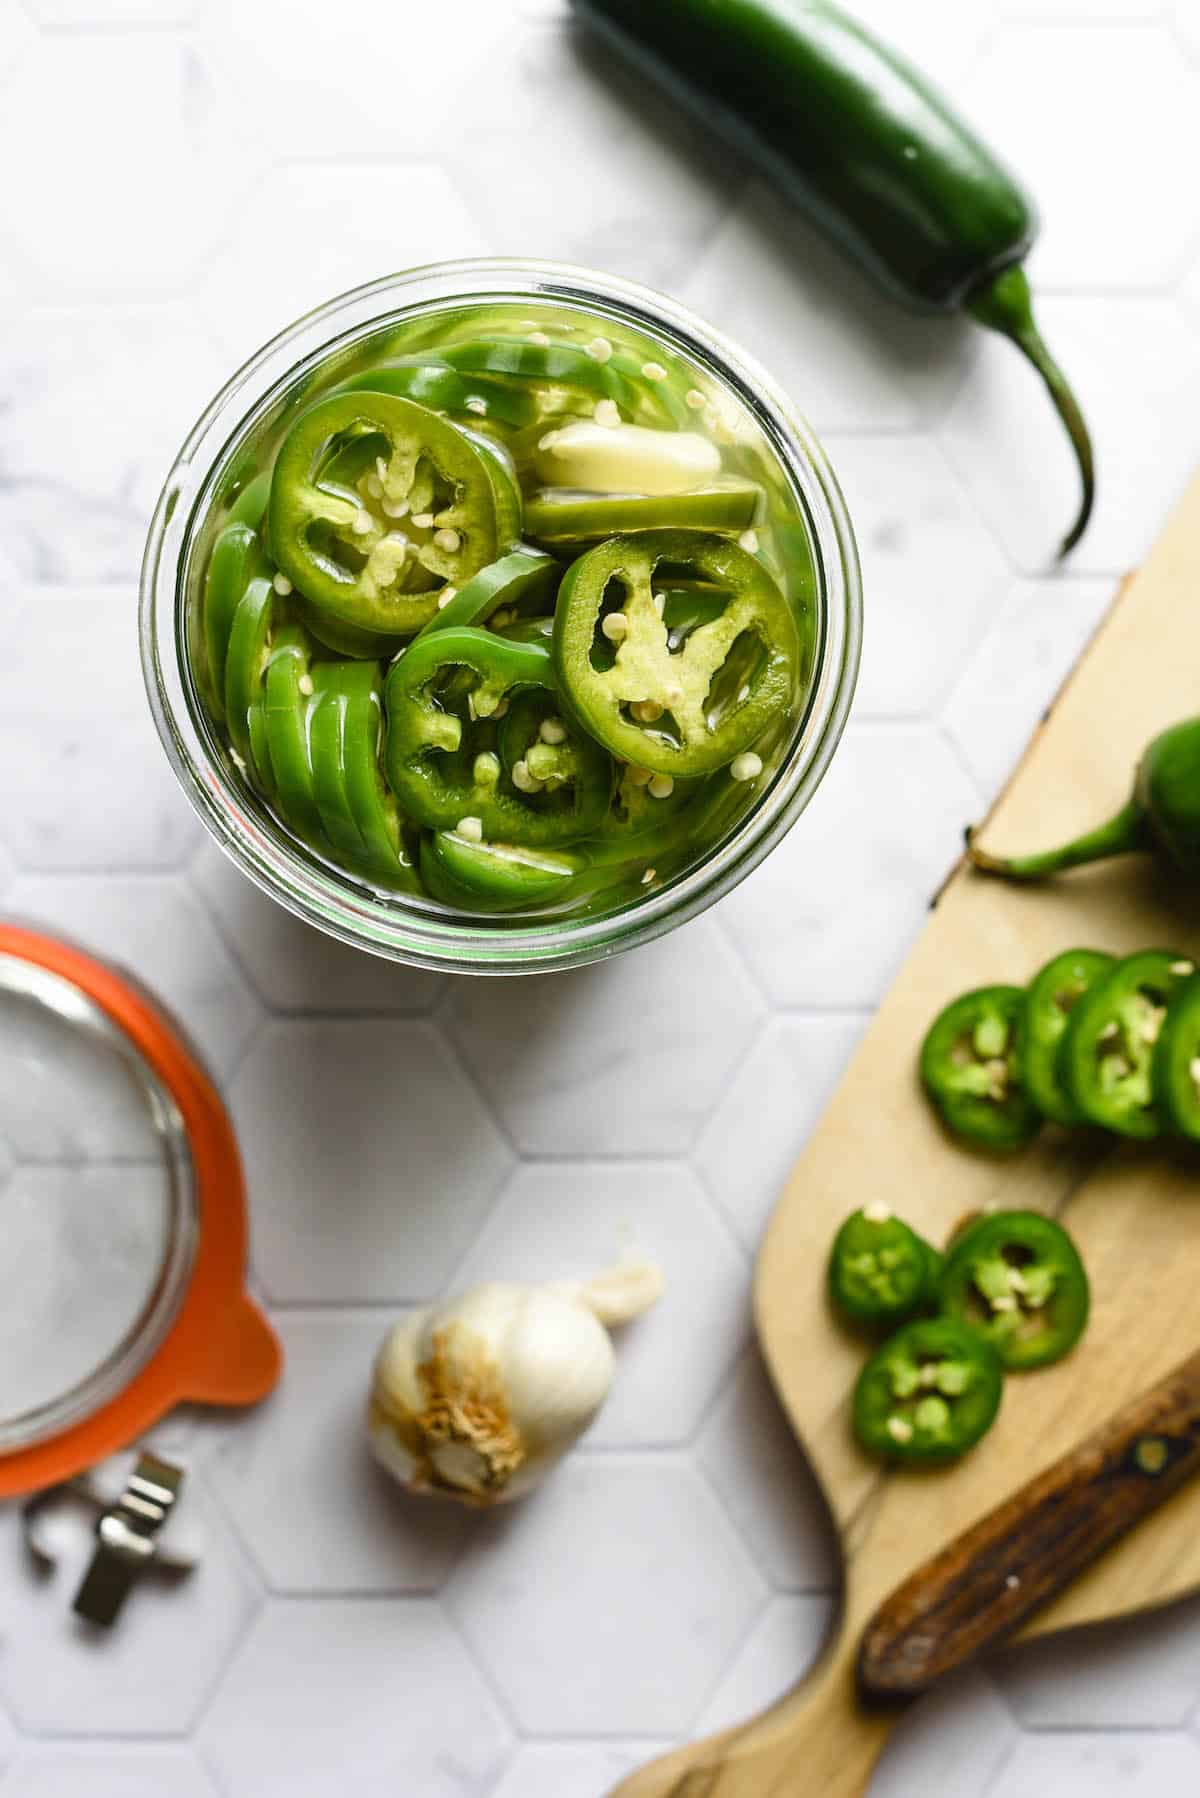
column 505, row 613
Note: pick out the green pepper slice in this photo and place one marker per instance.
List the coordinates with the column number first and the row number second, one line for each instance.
column 581, row 375
column 929, row 1393
column 1108, row 1050
column 250, row 506
column 561, row 515
column 440, row 697
column 684, row 712
column 880, row 1270
column 250, row 639
column 640, row 823
column 1052, row 996
column 372, row 803
column 1175, row 1070
column 685, row 609
column 289, row 703
column 327, row 736
column 969, row 1067
column 529, row 630
column 687, row 605
column 1016, row 1278
column 343, row 639
column 432, row 382
column 377, row 502
column 525, row 578
column 237, row 559
column 533, row 734
column 358, row 809
column 326, row 732
column 494, row 876
column 260, row 748
column 546, row 367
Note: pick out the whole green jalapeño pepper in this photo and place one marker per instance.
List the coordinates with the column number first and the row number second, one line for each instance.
column 684, row 710
column 929, row 1394
column 447, row 762
column 868, row 150
column 970, row 1070
column 1016, row 1276
column 880, row 1270
column 377, row 504
column 1108, row 1048
column 1053, row 994
column 1161, row 817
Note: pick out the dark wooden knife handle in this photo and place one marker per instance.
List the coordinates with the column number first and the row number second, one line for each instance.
column 1021, row 1554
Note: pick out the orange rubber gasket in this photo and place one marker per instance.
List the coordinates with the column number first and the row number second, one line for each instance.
column 220, row 1349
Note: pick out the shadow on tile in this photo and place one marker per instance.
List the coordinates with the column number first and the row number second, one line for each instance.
column 1136, row 1671
column 908, row 348
column 621, row 1058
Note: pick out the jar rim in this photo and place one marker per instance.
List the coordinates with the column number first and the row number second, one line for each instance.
column 387, row 925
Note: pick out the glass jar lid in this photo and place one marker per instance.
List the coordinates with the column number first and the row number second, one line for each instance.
column 98, row 1200
column 123, row 1219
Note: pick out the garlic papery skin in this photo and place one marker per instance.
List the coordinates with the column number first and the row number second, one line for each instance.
column 479, row 1396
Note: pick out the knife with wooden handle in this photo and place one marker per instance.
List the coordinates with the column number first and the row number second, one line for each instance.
column 986, row 1583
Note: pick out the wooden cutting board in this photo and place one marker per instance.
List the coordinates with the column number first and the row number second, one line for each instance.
column 1134, row 1210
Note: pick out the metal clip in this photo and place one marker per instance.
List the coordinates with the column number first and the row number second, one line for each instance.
column 128, row 1538
column 127, row 1531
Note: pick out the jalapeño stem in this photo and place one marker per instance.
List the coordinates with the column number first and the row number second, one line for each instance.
column 1120, row 836
column 1005, row 304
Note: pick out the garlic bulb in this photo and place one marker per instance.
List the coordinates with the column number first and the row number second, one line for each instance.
column 479, row 1396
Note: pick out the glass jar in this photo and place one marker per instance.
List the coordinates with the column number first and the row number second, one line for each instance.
column 401, row 927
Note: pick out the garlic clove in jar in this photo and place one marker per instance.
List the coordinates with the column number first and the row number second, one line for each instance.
column 478, row 1397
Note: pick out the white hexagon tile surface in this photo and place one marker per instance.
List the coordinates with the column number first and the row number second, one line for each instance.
column 295, row 969
column 96, row 1770
column 129, row 202
column 825, row 921
column 84, row 447
column 330, row 1694
column 626, row 1058
column 755, row 1465
column 792, row 1068
column 373, row 1159
column 183, row 177
column 62, row 1677
column 258, row 278
column 553, row 1594
column 82, row 737
column 572, row 1769
column 787, row 1637
column 8, row 1741
column 861, row 363
column 317, row 1514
